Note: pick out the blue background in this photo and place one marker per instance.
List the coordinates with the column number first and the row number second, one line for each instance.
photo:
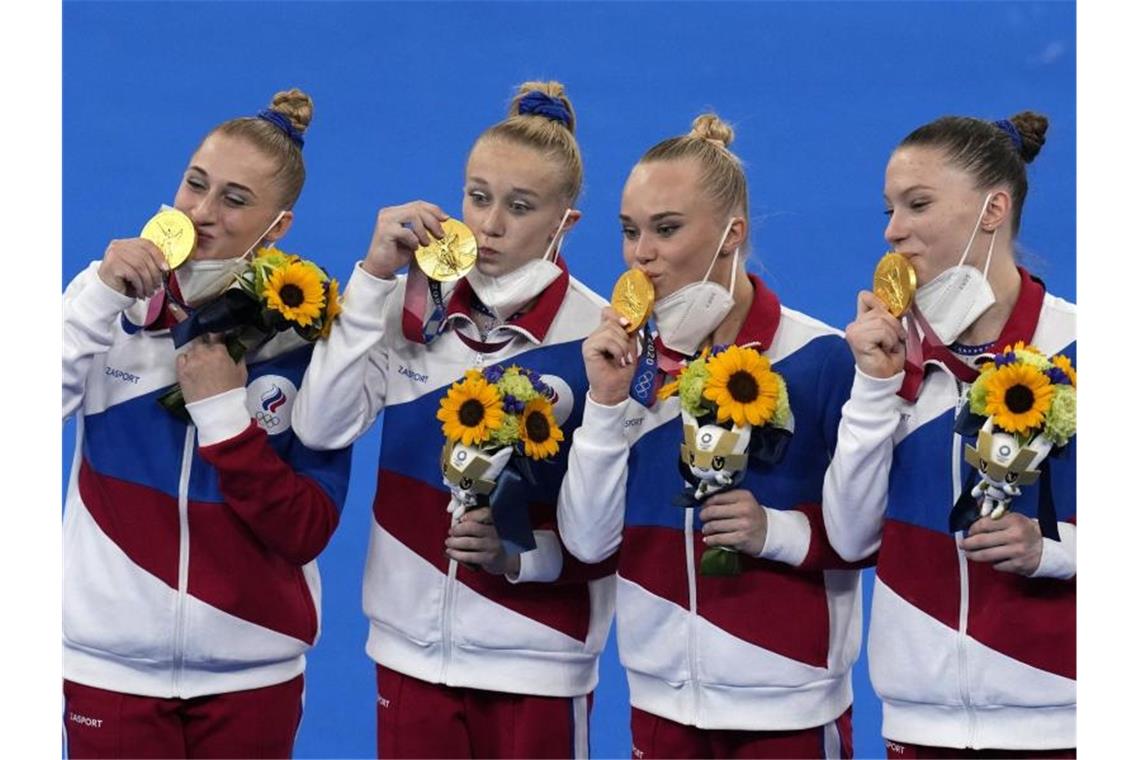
column 819, row 94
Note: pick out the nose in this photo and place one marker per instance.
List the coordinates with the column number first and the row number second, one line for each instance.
column 491, row 222
column 895, row 232
column 642, row 252
column 202, row 212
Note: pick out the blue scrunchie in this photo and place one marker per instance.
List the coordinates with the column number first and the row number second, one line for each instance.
column 282, row 122
column 541, row 104
column 1005, row 125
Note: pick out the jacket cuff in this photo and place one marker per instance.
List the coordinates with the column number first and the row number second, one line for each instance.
column 788, row 537
column 877, row 390
column 98, row 300
column 603, row 426
column 220, row 417
column 365, row 294
column 1058, row 558
column 541, row 564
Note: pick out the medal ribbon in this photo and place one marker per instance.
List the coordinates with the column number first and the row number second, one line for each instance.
column 1021, row 325
column 416, row 328
column 919, row 351
column 655, row 363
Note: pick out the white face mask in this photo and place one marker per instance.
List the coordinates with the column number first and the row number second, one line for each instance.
column 954, row 300
column 689, row 315
column 199, row 280
column 506, row 294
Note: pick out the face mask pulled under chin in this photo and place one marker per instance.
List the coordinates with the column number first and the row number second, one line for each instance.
column 686, row 317
column 199, row 280
column 509, row 292
column 954, row 300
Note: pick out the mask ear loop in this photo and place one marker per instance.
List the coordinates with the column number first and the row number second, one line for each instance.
column 966, row 253
column 261, row 237
column 553, row 240
column 735, row 258
column 974, row 234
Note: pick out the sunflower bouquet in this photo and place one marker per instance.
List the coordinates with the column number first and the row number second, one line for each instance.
column 488, row 417
column 1029, row 403
column 733, row 406
column 275, row 293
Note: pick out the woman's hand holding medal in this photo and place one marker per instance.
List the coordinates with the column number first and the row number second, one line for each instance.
column 877, row 337
column 610, row 354
column 399, row 231
column 134, row 267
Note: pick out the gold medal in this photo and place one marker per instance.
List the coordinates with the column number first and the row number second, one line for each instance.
column 451, row 256
column 895, row 283
column 173, row 233
column 633, row 298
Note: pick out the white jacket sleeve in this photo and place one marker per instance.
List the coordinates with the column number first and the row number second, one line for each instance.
column 855, row 487
column 90, row 310
column 591, row 502
column 1059, row 558
column 347, row 379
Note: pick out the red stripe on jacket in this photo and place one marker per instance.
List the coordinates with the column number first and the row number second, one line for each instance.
column 230, row 568
column 416, row 515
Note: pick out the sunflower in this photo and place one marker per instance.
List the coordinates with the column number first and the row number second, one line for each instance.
column 333, row 308
column 1066, row 366
column 1017, row 397
column 742, row 385
column 539, row 432
column 668, row 389
column 471, row 410
column 297, row 291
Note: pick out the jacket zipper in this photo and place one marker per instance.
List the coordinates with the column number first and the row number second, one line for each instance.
column 963, row 580
column 446, row 613
column 690, row 566
column 183, row 557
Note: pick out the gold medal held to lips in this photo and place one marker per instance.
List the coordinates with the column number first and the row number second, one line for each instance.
column 173, row 233
column 633, row 298
column 451, row 256
column 895, row 283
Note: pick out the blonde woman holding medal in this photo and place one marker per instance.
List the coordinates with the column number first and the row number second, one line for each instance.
column 479, row 652
column 972, row 646
column 190, row 589
column 753, row 664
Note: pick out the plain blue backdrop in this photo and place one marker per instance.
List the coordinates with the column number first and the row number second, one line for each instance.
column 819, row 94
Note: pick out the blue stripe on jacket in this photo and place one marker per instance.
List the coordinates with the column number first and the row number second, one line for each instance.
column 110, row 434
column 818, row 376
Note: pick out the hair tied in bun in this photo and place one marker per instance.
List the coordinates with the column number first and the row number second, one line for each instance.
column 282, row 122
column 540, row 104
column 1007, row 126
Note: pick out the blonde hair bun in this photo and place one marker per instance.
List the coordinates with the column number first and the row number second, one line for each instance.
column 710, row 127
column 295, row 105
column 553, row 90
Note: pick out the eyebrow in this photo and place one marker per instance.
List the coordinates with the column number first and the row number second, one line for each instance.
column 232, row 185
column 911, row 189
column 516, row 190
column 654, row 218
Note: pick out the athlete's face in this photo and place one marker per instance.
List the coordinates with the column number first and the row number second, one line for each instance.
column 671, row 227
column 229, row 193
column 932, row 207
column 513, row 201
